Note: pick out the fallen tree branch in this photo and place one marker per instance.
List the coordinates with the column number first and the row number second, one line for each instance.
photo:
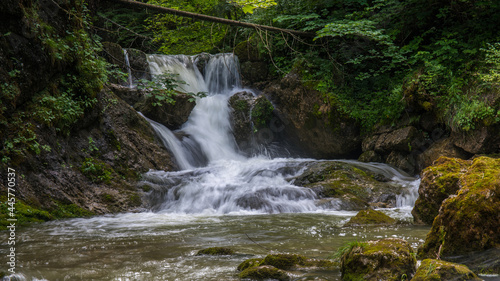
column 160, row 9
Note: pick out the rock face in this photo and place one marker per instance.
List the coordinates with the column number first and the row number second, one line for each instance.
column 314, row 126
column 436, row 270
column 116, row 144
column 370, row 217
column 438, row 183
column 387, row 259
column 468, row 221
column 482, row 140
column 348, row 187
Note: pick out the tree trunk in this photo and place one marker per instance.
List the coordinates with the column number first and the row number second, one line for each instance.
column 160, row 9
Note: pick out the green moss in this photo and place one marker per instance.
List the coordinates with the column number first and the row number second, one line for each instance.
column 249, row 263
column 25, row 213
column 284, row 261
column 216, row 251
column 370, row 216
column 262, row 112
column 96, row 170
column 437, row 270
column 265, row 272
column 464, row 222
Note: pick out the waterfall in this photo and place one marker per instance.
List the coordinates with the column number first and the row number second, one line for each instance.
column 214, row 177
column 129, row 69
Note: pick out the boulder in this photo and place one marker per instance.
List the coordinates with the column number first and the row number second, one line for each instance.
column 438, row 183
column 352, row 186
column 484, row 140
column 139, row 64
column 171, row 115
column 370, row 156
column 387, row 259
column 370, row 217
column 241, row 121
column 443, row 147
column 403, row 161
column 264, row 272
column 405, row 140
column 469, row 220
column 436, row 270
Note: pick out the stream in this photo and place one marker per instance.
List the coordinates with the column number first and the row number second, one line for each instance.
column 218, row 198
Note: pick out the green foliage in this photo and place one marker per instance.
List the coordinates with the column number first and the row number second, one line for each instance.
column 337, row 256
column 249, row 5
column 180, row 35
column 96, row 170
column 261, row 113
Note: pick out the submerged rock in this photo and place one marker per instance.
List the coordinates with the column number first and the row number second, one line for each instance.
column 387, row 259
column 438, row 183
column 436, row 270
column 277, row 264
column 215, row 251
column 468, row 221
column 264, row 272
column 369, row 216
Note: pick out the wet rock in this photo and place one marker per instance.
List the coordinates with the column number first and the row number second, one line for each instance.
column 370, row 156
column 387, row 259
column 264, row 272
column 241, row 105
column 171, row 115
column 444, row 147
column 316, row 127
column 403, row 161
column 294, row 261
column 370, row 217
column 468, row 221
column 215, row 251
column 431, row 269
column 139, row 64
column 249, row 263
column 348, row 183
column 404, row 139
column 438, row 183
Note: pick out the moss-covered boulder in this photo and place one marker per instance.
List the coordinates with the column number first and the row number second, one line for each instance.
column 249, row 263
column 353, row 187
column 294, row 261
column 216, row 251
column 387, row 259
column 438, row 183
column 370, row 217
column 468, row 221
column 264, row 272
column 436, row 270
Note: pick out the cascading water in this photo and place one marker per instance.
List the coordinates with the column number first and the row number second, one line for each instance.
column 231, row 182
column 129, row 69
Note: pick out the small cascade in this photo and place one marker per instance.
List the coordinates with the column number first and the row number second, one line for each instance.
column 183, row 67
column 215, row 177
column 129, row 69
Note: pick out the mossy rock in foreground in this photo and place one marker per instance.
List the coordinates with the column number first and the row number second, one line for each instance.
column 249, row 263
column 264, row 272
column 468, row 222
column 387, row 259
column 436, row 270
column 370, row 217
column 216, row 251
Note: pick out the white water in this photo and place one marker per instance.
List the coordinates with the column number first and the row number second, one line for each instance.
column 129, row 69
column 231, row 182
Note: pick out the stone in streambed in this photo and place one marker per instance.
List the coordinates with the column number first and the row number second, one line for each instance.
column 216, row 251
column 264, row 272
column 387, row 259
column 437, row 270
column 370, row 217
